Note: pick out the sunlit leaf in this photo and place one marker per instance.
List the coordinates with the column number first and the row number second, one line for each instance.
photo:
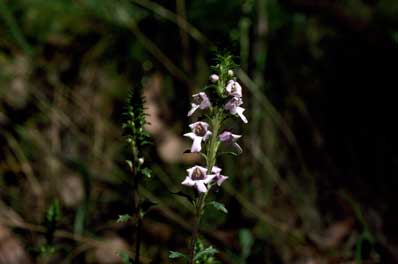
column 175, row 255
column 219, row 206
column 123, row 218
column 210, row 251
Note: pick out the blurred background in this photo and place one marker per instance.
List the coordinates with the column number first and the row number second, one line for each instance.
column 317, row 179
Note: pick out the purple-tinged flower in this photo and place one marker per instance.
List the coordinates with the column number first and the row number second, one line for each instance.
column 233, row 88
column 214, row 78
column 230, row 138
column 218, row 177
column 200, row 100
column 233, row 106
column 200, row 132
column 198, row 178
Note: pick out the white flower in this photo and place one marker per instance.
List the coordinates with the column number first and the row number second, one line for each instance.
column 141, row 160
column 200, row 132
column 214, row 78
column 200, row 100
column 231, row 73
column 233, row 106
column 230, row 138
column 233, row 88
column 198, row 178
column 218, row 177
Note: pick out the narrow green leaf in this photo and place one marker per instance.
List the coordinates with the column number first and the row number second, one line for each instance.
column 206, row 252
column 147, row 172
column 125, row 257
column 130, row 164
column 123, row 218
column 228, row 153
column 246, row 242
column 218, row 206
column 175, row 254
column 182, row 194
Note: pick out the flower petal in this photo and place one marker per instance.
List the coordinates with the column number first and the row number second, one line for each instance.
column 193, row 109
column 239, row 111
column 204, row 124
column 216, row 170
column 207, row 135
column 209, row 178
column 201, row 186
column 191, row 135
column 236, row 145
column 197, row 144
column 221, row 179
column 202, row 169
column 236, row 137
column 188, row 182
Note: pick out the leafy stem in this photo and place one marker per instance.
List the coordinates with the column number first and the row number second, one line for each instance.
column 211, row 155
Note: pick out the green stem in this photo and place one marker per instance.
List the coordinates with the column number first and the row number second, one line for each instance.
column 212, row 148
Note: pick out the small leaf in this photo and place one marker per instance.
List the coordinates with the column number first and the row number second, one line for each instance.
column 145, row 206
column 204, row 156
column 175, row 254
column 147, row 172
column 246, row 242
column 205, row 252
column 53, row 212
column 123, row 218
column 219, row 206
column 228, row 153
column 130, row 164
column 146, row 142
column 182, row 194
column 125, row 257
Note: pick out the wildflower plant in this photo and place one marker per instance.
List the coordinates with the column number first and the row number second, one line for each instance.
column 136, row 138
column 219, row 101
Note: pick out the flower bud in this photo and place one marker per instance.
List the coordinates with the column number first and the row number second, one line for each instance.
column 231, row 73
column 214, row 78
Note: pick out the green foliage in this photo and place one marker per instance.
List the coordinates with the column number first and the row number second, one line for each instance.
column 123, row 218
column 147, row 172
column 203, row 254
column 136, row 136
column 176, row 255
column 145, row 206
column 52, row 217
column 190, row 198
column 246, row 243
column 126, row 259
column 218, row 206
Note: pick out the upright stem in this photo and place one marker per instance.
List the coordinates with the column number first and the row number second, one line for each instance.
column 195, row 230
column 136, row 204
column 138, row 240
column 211, row 161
